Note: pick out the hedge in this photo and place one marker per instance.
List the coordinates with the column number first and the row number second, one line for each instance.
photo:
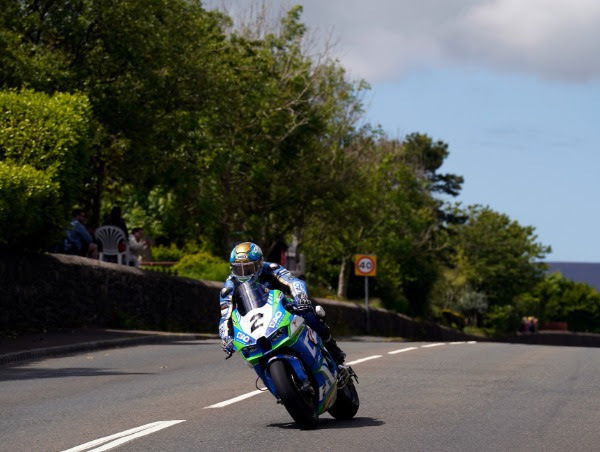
column 30, row 214
column 48, row 132
column 45, row 143
column 201, row 266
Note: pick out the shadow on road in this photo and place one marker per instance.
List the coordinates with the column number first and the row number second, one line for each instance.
column 21, row 373
column 328, row 423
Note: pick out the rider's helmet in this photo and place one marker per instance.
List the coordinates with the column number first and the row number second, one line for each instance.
column 246, row 261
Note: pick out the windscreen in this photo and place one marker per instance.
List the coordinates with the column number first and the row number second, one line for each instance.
column 250, row 296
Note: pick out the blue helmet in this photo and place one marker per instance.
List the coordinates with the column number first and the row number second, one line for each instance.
column 246, row 261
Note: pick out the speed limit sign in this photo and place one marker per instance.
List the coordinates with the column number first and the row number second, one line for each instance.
column 365, row 265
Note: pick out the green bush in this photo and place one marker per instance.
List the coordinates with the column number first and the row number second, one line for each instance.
column 503, row 320
column 167, row 253
column 48, row 132
column 202, row 265
column 557, row 299
column 30, row 213
column 173, row 252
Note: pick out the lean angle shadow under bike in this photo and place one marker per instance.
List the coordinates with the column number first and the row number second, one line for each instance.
column 290, row 358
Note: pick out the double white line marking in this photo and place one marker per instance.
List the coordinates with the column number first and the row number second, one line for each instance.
column 109, row 442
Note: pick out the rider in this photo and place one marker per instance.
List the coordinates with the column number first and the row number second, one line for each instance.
column 247, row 264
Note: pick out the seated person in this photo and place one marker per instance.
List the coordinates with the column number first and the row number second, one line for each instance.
column 79, row 241
column 137, row 246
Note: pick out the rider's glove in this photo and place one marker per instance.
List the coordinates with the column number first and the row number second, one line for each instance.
column 301, row 303
column 227, row 346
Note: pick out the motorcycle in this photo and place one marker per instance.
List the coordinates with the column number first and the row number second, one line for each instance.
column 290, row 358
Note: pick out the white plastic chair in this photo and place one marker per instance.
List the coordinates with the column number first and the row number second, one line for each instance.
column 110, row 237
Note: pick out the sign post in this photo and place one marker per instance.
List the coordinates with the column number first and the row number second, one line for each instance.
column 365, row 265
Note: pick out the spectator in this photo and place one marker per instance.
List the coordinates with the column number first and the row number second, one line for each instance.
column 79, row 241
column 114, row 218
column 138, row 247
column 533, row 324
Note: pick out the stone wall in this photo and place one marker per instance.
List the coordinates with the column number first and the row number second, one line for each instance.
column 52, row 291
column 45, row 292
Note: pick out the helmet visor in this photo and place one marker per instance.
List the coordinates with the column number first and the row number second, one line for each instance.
column 245, row 268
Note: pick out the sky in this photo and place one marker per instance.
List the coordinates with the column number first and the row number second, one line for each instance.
column 512, row 86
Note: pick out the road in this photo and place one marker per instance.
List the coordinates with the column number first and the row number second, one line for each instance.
column 433, row 397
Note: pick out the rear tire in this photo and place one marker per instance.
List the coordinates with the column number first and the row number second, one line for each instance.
column 347, row 403
column 300, row 405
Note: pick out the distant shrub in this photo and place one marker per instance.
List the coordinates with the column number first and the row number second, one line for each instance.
column 503, row 319
column 559, row 299
column 167, row 253
column 202, row 265
column 30, row 213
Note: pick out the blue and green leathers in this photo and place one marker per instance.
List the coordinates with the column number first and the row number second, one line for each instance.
column 273, row 276
column 265, row 332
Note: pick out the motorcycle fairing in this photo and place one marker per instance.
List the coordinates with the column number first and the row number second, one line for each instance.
column 272, row 331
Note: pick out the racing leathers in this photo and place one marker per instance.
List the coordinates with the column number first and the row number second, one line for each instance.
column 275, row 276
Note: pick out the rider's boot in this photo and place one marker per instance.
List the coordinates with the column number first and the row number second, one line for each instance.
column 336, row 352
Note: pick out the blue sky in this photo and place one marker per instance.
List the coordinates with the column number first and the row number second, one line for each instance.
column 526, row 147
column 512, row 86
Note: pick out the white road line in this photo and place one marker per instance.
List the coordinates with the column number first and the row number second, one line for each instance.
column 458, row 342
column 351, row 363
column 235, row 399
column 123, row 437
column 407, row 349
column 362, row 360
column 472, row 342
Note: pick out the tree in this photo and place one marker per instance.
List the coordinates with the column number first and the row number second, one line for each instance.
column 557, row 298
column 497, row 256
column 279, row 125
column 146, row 67
column 388, row 209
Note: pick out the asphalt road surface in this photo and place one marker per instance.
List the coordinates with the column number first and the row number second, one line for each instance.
column 414, row 396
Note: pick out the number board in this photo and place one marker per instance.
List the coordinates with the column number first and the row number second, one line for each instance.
column 365, row 265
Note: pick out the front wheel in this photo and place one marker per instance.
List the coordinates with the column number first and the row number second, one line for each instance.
column 299, row 402
column 347, row 403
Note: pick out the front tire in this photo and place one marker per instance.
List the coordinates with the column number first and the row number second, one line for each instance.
column 300, row 404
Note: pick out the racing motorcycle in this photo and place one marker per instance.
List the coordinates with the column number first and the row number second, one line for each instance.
column 290, row 358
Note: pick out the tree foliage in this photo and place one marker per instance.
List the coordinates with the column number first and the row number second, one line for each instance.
column 557, row 298
column 211, row 133
column 497, row 256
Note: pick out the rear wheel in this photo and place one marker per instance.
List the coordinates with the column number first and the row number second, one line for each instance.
column 347, row 403
column 299, row 402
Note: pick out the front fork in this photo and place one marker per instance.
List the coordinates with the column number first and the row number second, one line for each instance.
column 295, row 365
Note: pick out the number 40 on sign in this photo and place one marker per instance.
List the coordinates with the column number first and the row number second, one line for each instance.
column 365, row 265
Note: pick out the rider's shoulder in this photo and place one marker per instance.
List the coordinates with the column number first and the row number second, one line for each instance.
column 228, row 287
column 270, row 267
column 273, row 267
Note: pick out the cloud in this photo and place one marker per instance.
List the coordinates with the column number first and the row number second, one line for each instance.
column 381, row 40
